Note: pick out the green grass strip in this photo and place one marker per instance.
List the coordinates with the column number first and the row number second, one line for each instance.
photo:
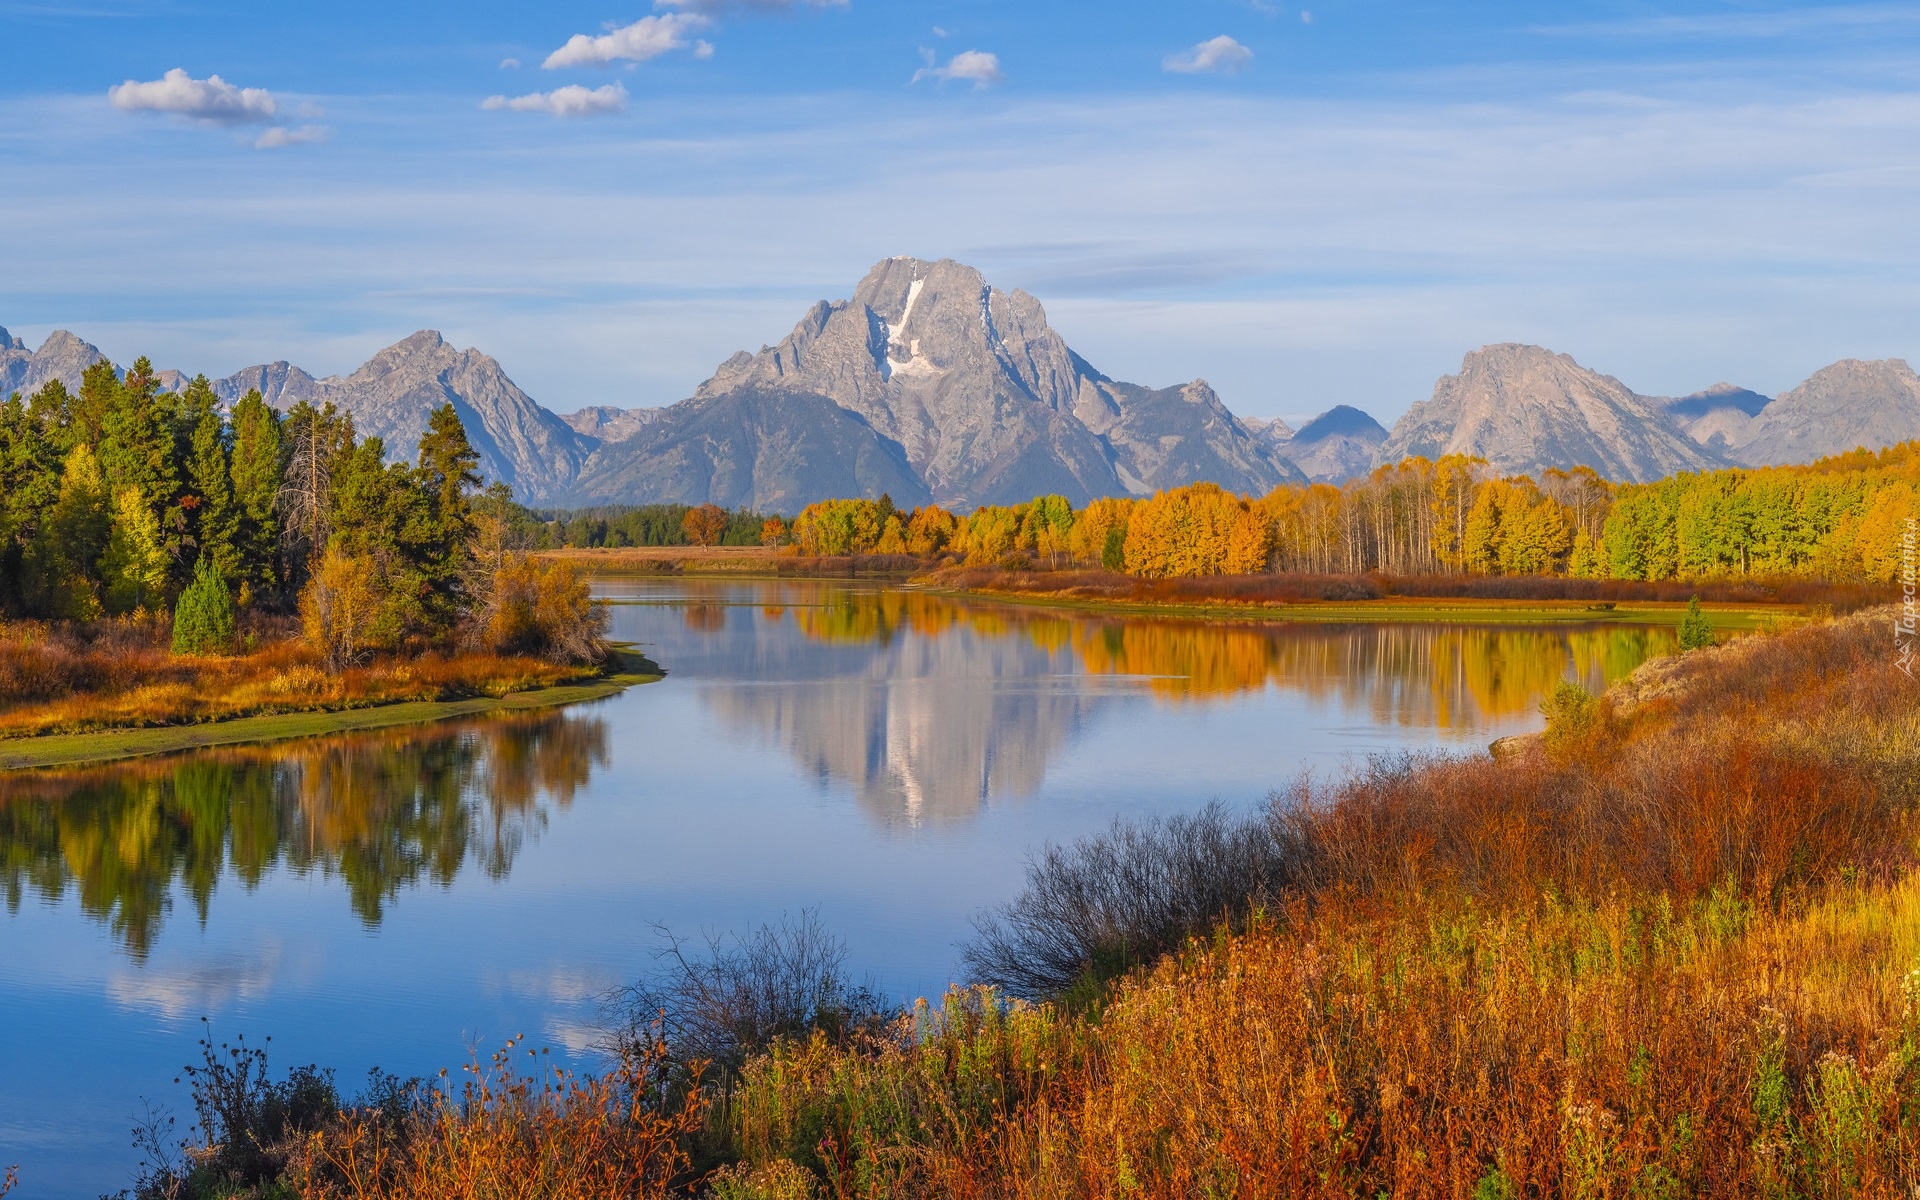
column 110, row 745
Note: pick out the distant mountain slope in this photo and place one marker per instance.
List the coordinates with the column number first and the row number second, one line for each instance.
column 982, row 399
column 606, row 424
column 1525, row 408
column 1849, row 404
column 62, row 356
column 1719, row 417
column 748, row 448
column 395, row 391
column 1335, row 446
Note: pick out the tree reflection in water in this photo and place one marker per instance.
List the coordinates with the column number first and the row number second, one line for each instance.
column 379, row 811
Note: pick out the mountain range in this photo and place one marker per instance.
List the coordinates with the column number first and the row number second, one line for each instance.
column 929, row 384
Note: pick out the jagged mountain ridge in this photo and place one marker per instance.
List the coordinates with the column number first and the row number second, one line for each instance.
column 968, row 385
column 1847, row 405
column 1525, row 409
column 394, row 392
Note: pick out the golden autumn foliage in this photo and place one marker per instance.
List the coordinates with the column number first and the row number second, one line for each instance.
column 1839, row 519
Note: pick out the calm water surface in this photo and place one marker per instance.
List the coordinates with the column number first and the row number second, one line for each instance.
column 888, row 758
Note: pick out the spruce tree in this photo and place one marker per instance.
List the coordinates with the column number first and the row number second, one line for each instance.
column 255, row 472
column 1695, row 630
column 137, row 453
column 203, row 620
column 448, row 475
column 448, row 470
column 211, row 514
column 29, row 485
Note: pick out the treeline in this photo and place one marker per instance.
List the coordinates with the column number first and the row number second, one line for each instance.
column 128, row 500
column 1841, row 518
column 619, row 526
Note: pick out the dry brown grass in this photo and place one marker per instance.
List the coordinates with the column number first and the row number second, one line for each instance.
column 510, row 1131
column 57, row 678
column 1109, row 586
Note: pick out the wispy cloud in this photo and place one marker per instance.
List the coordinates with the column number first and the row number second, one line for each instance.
column 977, row 67
column 509, row 64
column 212, row 99
column 645, row 39
column 1215, row 56
column 570, row 101
column 299, row 135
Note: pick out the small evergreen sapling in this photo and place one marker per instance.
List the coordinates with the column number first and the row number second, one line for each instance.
column 203, row 620
column 1695, row 630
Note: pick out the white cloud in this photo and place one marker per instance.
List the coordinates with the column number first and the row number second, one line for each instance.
column 975, row 66
column 509, row 64
column 1221, row 55
column 570, row 101
column 210, row 99
column 939, row 31
column 303, row 135
column 649, row 37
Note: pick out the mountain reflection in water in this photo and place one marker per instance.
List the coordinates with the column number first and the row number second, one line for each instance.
column 928, row 708
column 379, row 811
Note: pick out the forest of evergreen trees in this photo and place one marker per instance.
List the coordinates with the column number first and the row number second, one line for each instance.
column 127, row 500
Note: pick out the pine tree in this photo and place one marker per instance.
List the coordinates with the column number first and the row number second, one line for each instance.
column 448, row 475
column 137, row 453
column 86, row 423
column 29, row 486
column 1695, row 630
column 203, row 619
column 212, row 516
column 448, row 471
column 255, row 474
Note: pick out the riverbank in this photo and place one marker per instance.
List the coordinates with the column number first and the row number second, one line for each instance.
column 630, row 669
column 1364, row 598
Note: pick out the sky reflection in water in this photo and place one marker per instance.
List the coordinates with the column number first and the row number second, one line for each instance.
column 888, row 757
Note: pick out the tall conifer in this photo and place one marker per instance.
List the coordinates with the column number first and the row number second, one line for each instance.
column 255, row 471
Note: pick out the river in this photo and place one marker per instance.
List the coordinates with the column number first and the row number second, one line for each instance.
column 884, row 757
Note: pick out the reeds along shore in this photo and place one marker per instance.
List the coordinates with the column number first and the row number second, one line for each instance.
column 1671, row 947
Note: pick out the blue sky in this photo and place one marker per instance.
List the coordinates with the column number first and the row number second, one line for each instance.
column 1306, row 206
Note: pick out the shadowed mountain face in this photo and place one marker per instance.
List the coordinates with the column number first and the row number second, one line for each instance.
column 1524, row 409
column 929, row 366
column 1335, row 446
column 1720, row 417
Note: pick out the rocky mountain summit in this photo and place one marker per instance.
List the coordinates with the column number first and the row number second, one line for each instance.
column 1335, row 446
column 1525, row 408
column 62, row 356
column 931, row 375
column 933, row 386
column 393, row 393
column 1849, row 404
